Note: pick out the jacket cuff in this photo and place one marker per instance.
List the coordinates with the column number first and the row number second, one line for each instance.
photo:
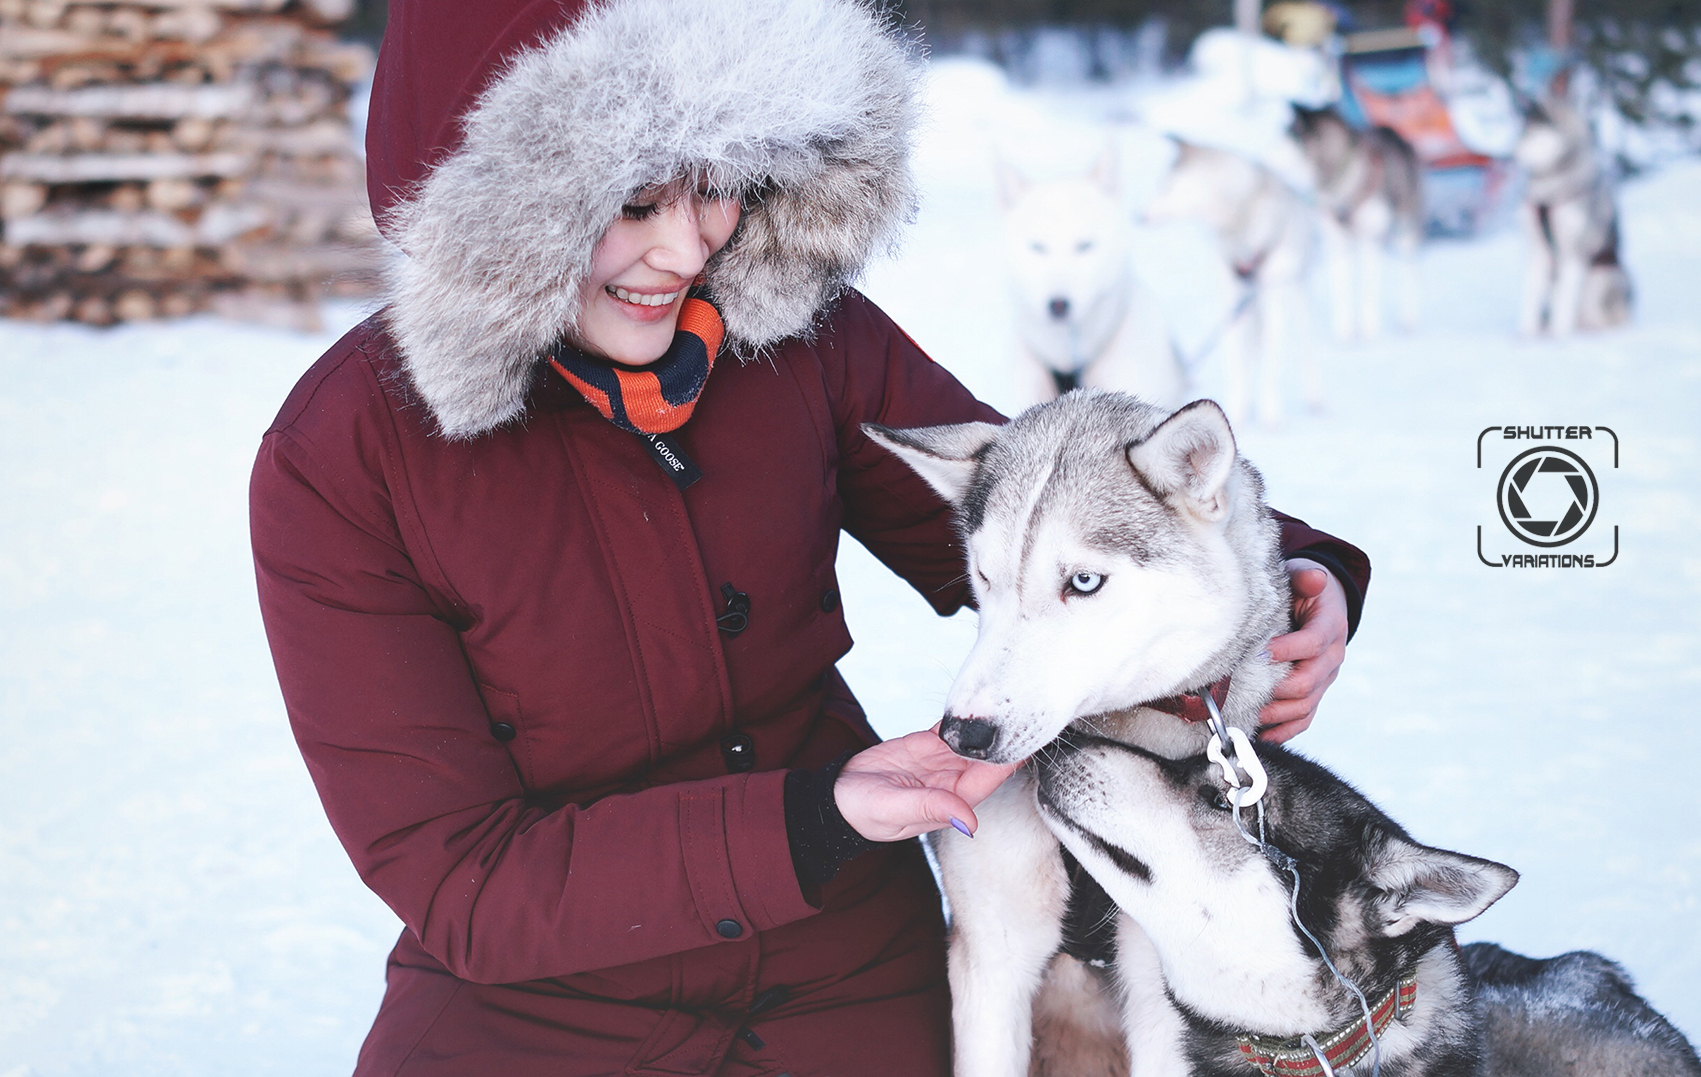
column 753, row 857
column 821, row 841
column 1349, row 586
column 1348, row 563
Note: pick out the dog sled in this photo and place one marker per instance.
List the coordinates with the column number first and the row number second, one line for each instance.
column 1386, row 82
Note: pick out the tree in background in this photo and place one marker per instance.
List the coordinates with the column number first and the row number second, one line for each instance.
column 1642, row 56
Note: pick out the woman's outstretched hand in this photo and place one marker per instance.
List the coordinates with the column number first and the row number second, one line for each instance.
column 915, row 784
column 1316, row 648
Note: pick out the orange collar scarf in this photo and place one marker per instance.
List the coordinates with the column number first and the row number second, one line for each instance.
column 660, row 396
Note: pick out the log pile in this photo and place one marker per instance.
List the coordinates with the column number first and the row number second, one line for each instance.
column 159, row 157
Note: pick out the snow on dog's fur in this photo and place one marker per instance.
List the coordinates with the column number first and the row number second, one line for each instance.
column 1216, row 929
column 1119, row 554
column 1081, row 316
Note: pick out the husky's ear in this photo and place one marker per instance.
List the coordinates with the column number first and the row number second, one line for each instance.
column 1188, row 459
column 1419, row 885
column 1104, row 173
column 1012, row 185
column 946, row 456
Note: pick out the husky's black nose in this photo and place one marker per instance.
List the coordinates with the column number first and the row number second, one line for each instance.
column 1059, row 308
column 968, row 736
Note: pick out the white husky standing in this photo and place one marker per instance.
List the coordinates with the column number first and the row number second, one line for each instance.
column 1574, row 279
column 1370, row 188
column 1123, row 562
column 1265, row 235
column 1082, row 317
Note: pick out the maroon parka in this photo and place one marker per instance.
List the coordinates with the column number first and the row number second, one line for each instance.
column 502, row 663
column 494, row 616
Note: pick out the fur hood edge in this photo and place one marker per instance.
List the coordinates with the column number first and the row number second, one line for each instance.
column 807, row 105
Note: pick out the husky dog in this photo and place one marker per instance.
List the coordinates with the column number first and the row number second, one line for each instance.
column 1081, row 316
column 1573, row 279
column 1123, row 562
column 1265, row 234
column 1370, row 188
column 1220, row 975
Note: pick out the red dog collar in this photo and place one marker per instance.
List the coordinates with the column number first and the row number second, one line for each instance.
column 1343, row 1047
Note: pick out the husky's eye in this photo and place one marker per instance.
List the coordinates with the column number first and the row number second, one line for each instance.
column 1085, row 583
column 1215, row 797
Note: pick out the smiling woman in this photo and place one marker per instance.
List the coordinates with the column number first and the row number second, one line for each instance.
column 642, row 267
column 574, row 716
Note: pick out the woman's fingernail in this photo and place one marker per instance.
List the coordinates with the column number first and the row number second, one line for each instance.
column 1264, row 655
column 962, row 827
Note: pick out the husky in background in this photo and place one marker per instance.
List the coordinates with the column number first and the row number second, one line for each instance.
column 1219, row 978
column 1573, row 279
column 1123, row 562
column 1370, row 189
column 1264, row 233
column 1082, row 318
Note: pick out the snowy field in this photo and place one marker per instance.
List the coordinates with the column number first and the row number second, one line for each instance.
column 173, row 902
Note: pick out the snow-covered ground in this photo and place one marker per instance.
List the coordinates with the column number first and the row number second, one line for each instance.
column 172, row 900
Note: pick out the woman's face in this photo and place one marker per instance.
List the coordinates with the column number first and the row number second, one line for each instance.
column 630, row 303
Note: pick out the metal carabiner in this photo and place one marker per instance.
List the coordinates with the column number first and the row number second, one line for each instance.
column 1245, row 759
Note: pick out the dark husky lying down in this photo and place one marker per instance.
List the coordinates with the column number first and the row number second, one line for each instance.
column 1228, row 985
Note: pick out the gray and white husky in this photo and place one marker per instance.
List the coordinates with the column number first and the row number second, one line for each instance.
column 1219, row 973
column 1122, row 559
column 1573, row 279
column 1370, row 189
column 1265, row 235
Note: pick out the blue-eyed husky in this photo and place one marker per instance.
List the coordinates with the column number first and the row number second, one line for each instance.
column 1124, row 563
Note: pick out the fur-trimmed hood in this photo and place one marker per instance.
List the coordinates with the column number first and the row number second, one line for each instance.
column 806, row 107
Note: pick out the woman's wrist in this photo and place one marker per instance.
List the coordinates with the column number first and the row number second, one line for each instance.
column 821, row 840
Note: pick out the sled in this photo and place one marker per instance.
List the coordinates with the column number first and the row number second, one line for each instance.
column 1385, row 82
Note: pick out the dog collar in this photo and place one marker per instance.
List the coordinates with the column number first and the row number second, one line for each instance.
column 1190, row 706
column 1341, row 1048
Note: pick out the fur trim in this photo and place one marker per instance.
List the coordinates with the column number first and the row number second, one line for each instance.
column 808, row 105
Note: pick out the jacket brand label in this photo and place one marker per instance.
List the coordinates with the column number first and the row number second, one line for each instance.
column 671, row 458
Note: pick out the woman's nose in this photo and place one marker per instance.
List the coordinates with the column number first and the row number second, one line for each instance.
column 678, row 243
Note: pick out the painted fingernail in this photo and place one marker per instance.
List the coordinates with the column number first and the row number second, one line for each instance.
column 962, row 827
column 1264, row 655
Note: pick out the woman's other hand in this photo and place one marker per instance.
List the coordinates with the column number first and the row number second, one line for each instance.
column 1317, row 648
column 915, row 784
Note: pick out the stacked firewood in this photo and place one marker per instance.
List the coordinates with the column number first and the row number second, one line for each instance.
column 159, row 157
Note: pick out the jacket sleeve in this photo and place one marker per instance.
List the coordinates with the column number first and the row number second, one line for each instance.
column 428, row 804
column 879, row 375
column 1345, row 561
column 884, row 377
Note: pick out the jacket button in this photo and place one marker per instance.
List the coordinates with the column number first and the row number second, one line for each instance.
column 729, row 929
column 829, row 600
column 739, row 752
column 503, row 732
